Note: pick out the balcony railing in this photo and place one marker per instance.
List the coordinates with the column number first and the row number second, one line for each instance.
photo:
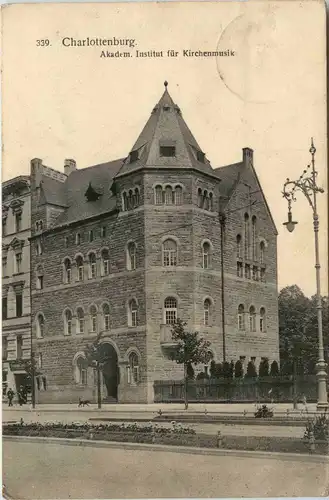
column 166, row 336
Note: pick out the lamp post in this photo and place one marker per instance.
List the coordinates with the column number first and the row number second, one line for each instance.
column 307, row 185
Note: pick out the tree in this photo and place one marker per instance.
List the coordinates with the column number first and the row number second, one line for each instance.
column 189, row 350
column 227, row 370
column 216, row 370
column 274, row 372
column 238, row 369
column 96, row 358
column 264, row 368
column 251, row 370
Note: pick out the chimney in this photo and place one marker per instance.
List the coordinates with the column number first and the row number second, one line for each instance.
column 69, row 166
column 36, row 172
column 247, row 155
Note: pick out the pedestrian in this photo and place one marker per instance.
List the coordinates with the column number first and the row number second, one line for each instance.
column 10, row 396
column 21, row 395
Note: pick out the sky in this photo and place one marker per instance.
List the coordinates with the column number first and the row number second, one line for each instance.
column 68, row 102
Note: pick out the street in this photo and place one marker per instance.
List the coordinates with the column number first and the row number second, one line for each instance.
column 58, row 471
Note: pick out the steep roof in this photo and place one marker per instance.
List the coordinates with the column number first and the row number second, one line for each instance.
column 229, row 176
column 52, row 192
column 79, row 208
column 166, row 127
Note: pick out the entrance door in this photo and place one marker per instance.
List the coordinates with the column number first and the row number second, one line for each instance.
column 110, row 371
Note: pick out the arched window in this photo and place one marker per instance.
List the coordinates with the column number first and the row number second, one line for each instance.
column 131, row 256
column 246, row 236
column 133, row 369
column 136, row 197
column 262, row 320
column 211, row 202
column 38, row 247
column 205, row 200
column 39, row 282
column 93, row 319
column 91, row 235
column 168, row 195
column 124, row 201
column 170, row 310
column 67, row 322
column 67, row 271
column 80, row 270
column 105, row 262
column 106, row 317
column 169, row 253
column 239, row 246
column 130, row 200
column 262, row 252
column 132, row 313
column 241, row 325
column 92, row 265
column 81, row 367
column 40, row 323
column 206, row 312
column 252, row 319
column 206, row 255
column 77, row 238
column 200, row 198
column 178, row 195
column 80, row 320
column 254, row 236
column 158, row 195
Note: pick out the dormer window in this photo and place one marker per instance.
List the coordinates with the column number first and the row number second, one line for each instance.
column 166, row 108
column 133, row 156
column 167, row 151
column 200, row 156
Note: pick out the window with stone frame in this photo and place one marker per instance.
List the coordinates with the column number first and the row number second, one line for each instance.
column 91, row 235
column 132, row 313
column 168, row 197
column 241, row 321
column 92, row 266
column 246, row 236
column 4, row 226
column 262, row 320
column 136, row 198
column 158, row 195
column 93, row 319
column 105, row 262
column 4, row 265
column 252, row 319
column 167, row 151
column 206, row 255
column 80, row 267
column 77, row 238
column 124, row 201
column 205, row 200
column 18, row 222
column 254, row 237
column 40, row 326
column 206, row 312
column 255, row 273
column 67, row 271
column 103, row 231
column 262, row 252
column 247, row 271
column 67, row 322
column 178, row 195
column 19, row 347
column 239, row 246
column 19, row 303
column 81, row 370
column 200, row 198
column 169, row 253
column 131, row 256
column 170, row 311
column 18, row 262
column 130, row 199
column 39, row 280
column 211, row 202
column 133, row 369
column 4, row 348
column 80, row 320
column 106, row 317
column 262, row 274
column 4, row 307
column 38, row 247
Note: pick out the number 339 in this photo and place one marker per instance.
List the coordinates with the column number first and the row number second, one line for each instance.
column 43, row 43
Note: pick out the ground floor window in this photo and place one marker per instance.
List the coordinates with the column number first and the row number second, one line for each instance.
column 133, row 369
column 80, row 372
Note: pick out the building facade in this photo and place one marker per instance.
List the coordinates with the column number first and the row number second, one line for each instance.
column 16, row 310
column 126, row 247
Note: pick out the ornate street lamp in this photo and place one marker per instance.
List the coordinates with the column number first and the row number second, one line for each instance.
column 307, row 185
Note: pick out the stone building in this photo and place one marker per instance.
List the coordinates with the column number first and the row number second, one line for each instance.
column 127, row 246
column 16, row 318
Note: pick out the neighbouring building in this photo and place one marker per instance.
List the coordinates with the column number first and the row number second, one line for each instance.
column 127, row 246
column 16, row 310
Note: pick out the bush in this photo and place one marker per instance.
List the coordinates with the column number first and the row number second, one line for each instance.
column 216, row 370
column 319, row 426
column 190, row 372
column 274, row 372
column 227, row 370
column 202, row 376
column 251, row 370
column 264, row 368
column 238, row 369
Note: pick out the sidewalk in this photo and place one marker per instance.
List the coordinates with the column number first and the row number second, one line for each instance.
column 285, row 409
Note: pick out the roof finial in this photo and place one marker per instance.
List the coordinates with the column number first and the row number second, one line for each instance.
column 165, row 83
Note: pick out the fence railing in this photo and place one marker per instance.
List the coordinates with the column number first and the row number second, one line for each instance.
column 279, row 389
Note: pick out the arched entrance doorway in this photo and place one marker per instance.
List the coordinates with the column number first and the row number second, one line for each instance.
column 110, row 371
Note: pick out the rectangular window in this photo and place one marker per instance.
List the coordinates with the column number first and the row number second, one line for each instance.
column 239, row 269
column 18, row 222
column 4, row 348
column 77, row 239
column 83, row 376
column 107, row 321
column 4, row 308
column 247, row 271
column 255, row 273
column 93, row 324
column 261, row 324
column 91, row 236
column 241, row 321
column 167, row 151
column 106, row 267
column 19, row 347
column 206, row 317
column 93, row 270
column 39, row 360
column 262, row 274
column 103, row 232
column 81, row 324
column 69, row 327
column 40, row 282
column 134, row 317
column 170, row 317
column 80, row 273
column 4, row 266
column 19, row 304
column 18, row 263
column 4, row 227
column 68, row 275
